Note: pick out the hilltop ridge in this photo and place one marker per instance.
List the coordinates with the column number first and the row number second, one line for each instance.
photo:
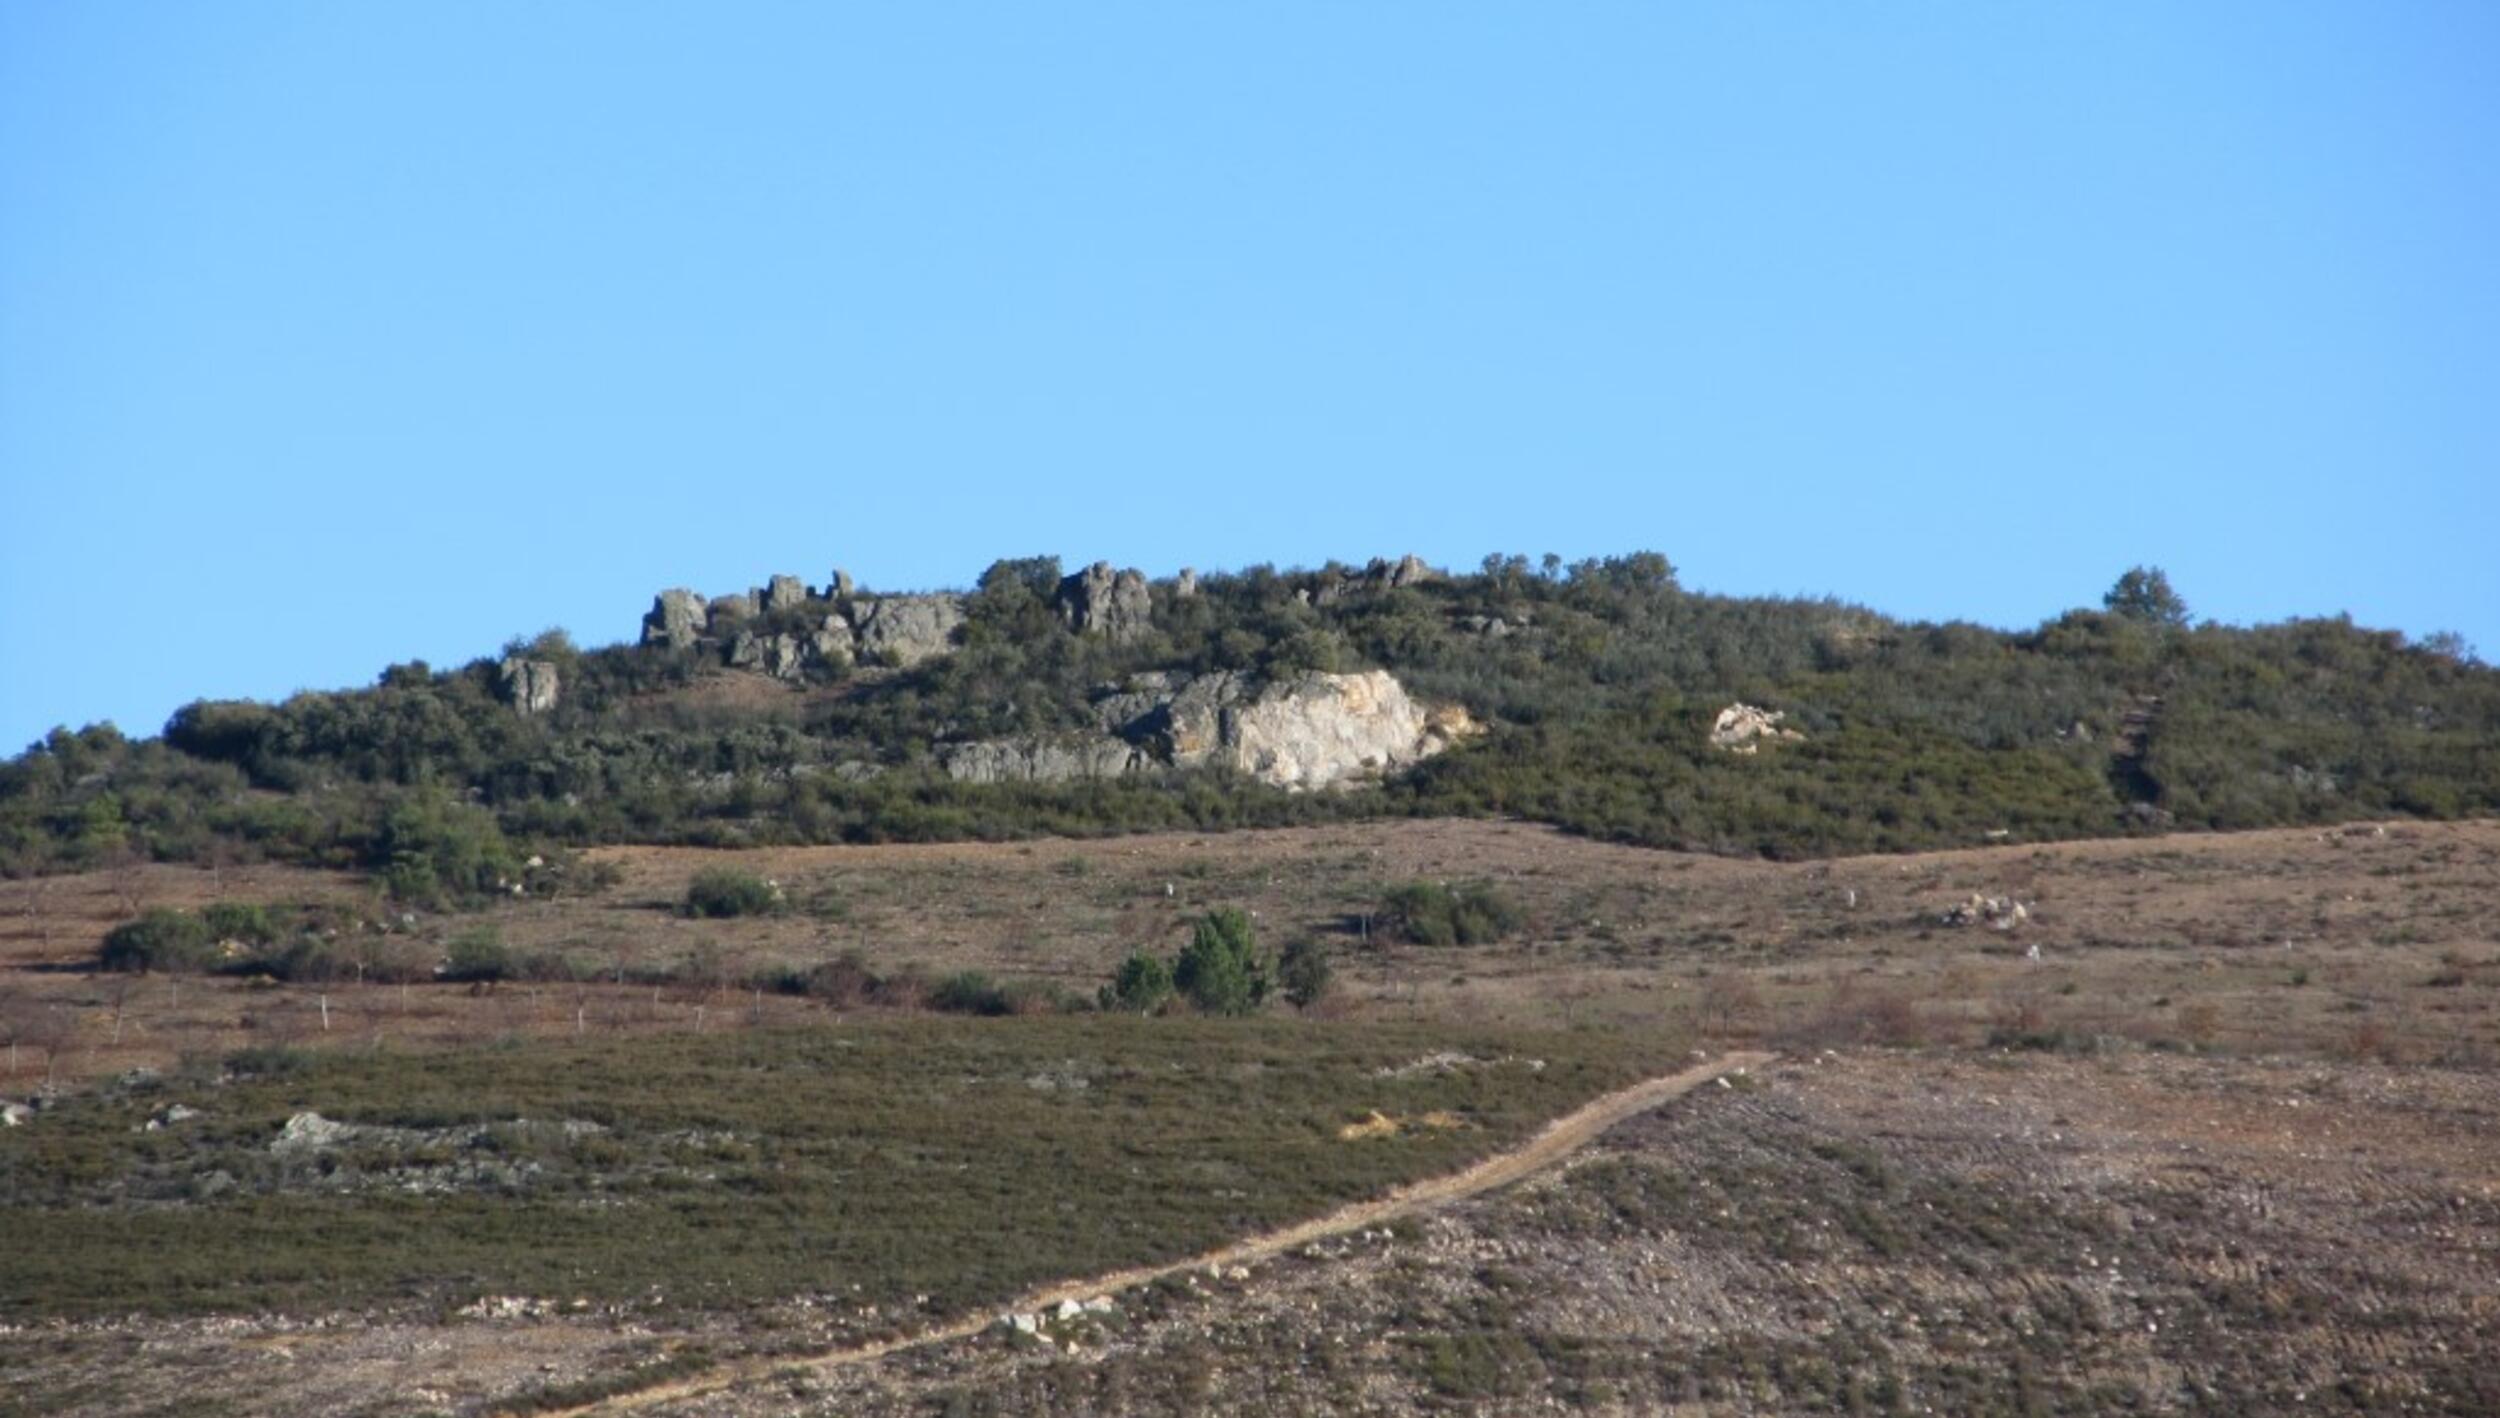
column 1599, row 696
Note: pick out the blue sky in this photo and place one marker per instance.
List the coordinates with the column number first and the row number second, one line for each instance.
column 333, row 335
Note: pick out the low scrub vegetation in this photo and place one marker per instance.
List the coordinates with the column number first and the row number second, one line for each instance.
column 723, row 1170
column 1601, row 687
column 1431, row 913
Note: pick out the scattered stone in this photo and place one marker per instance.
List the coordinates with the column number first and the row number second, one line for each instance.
column 170, row 1116
column 1742, row 728
column 311, row 1132
column 15, row 1115
column 2002, row 913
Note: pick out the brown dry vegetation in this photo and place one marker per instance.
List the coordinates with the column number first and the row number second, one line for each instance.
column 2368, row 941
column 2225, row 1145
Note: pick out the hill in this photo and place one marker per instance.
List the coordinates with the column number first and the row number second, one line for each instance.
column 1599, row 697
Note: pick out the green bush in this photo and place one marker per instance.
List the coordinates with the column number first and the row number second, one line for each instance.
column 970, row 992
column 722, row 892
column 479, row 957
column 1431, row 913
column 246, row 921
column 160, row 940
column 1221, row 971
column 1304, row 973
column 1142, row 985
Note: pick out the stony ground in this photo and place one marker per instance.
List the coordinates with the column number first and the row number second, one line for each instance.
column 1872, row 1232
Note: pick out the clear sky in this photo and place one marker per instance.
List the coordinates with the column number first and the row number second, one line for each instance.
column 333, row 335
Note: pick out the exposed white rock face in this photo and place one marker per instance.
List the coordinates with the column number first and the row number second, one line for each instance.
column 1310, row 731
column 1326, row 731
column 1740, row 728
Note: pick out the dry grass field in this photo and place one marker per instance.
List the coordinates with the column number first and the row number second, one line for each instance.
column 2213, row 1128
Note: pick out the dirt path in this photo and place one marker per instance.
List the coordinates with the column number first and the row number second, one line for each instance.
column 1559, row 1139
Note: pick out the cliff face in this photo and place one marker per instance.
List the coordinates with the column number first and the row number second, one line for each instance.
column 1311, row 731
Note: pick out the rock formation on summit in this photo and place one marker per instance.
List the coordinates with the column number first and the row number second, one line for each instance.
column 1099, row 599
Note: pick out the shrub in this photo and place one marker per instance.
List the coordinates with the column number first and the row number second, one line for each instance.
column 722, row 892
column 1304, row 973
column 245, row 921
column 1221, row 970
column 1142, row 985
column 970, row 992
column 842, row 982
column 478, row 956
column 160, row 940
column 1431, row 913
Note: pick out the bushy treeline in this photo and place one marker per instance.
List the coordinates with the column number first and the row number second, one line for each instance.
column 1600, row 681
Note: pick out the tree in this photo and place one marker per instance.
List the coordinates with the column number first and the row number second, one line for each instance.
column 1221, row 970
column 2144, row 594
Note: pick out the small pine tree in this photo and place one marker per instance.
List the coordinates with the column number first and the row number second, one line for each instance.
column 1221, row 970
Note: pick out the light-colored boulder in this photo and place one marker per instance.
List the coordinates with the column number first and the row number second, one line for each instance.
column 1742, row 728
column 742, row 605
column 1185, row 585
column 530, row 686
column 909, row 628
column 678, row 618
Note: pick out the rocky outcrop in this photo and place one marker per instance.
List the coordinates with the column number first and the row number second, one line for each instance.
column 1038, row 759
column 784, row 593
column 906, row 629
column 781, row 656
column 1307, row 732
column 530, row 686
column 678, row 619
column 740, row 605
column 1101, row 601
column 1741, row 728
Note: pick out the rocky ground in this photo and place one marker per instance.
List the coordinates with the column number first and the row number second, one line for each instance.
column 1871, row 1232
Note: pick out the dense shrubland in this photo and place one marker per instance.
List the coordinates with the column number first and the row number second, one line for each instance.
column 1600, row 680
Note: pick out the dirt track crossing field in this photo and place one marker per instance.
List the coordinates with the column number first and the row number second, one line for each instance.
column 1557, row 1141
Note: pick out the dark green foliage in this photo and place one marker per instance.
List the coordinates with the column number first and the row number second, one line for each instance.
column 1434, row 913
column 159, row 940
column 1600, row 688
column 435, row 852
column 1304, row 973
column 721, row 892
column 479, row 956
column 970, row 992
column 2144, row 594
column 1221, row 970
column 1142, row 985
